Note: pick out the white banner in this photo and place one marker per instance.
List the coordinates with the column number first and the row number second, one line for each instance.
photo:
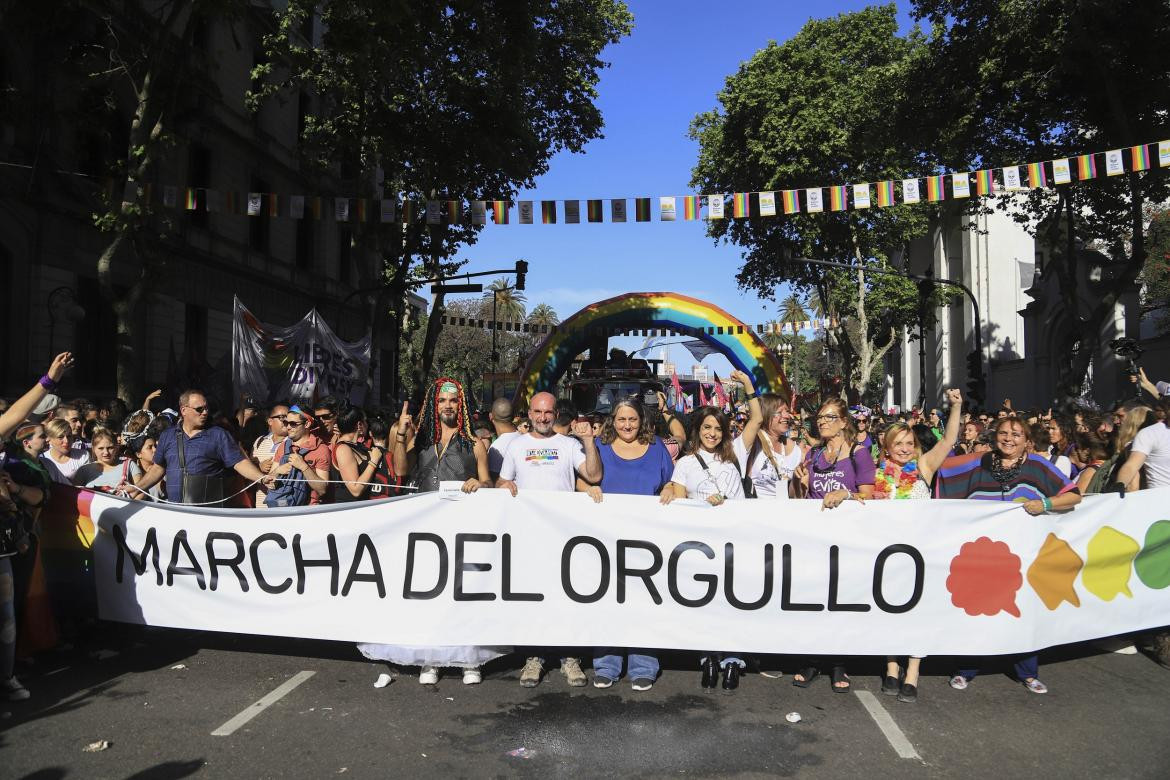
column 554, row 569
column 299, row 364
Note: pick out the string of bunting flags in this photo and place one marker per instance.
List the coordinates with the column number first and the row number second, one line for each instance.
column 738, row 205
column 730, row 329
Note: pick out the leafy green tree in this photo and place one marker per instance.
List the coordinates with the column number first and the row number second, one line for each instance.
column 1155, row 278
column 1019, row 81
column 508, row 302
column 442, row 100
column 821, row 108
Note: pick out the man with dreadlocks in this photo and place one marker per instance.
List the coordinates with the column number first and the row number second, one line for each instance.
column 443, row 448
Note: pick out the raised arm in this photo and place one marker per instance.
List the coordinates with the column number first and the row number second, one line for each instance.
column 401, row 434
column 755, row 416
column 672, row 422
column 931, row 460
column 22, row 407
column 590, row 470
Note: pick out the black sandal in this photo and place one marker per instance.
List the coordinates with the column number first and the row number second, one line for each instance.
column 809, row 673
column 838, row 676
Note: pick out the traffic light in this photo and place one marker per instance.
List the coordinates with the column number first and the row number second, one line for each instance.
column 976, row 382
column 521, row 269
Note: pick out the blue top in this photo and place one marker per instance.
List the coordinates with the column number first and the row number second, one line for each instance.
column 642, row 476
column 211, row 452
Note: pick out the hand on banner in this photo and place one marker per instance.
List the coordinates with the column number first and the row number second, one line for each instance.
column 594, row 492
column 508, row 485
column 716, row 500
column 835, row 498
column 1035, row 507
column 667, row 494
column 471, row 485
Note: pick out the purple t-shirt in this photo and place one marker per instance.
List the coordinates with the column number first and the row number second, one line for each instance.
column 846, row 474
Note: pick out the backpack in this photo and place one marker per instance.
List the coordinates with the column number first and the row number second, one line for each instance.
column 1103, row 477
column 291, row 489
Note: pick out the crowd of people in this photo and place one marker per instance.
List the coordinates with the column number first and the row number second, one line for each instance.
column 763, row 447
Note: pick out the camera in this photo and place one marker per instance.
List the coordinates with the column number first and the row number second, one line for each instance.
column 1129, row 350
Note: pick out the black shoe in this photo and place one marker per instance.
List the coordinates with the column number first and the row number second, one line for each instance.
column 908, row 694
column 710, row 671
column 731, row 677
column 890, row 685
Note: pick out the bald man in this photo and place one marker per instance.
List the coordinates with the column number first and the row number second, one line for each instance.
column 546, row 460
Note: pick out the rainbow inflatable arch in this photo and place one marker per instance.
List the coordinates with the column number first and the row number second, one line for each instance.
column 659, row 310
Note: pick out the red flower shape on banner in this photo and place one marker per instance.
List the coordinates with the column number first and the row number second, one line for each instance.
column 984, row 578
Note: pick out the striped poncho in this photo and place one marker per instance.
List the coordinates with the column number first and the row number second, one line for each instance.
column 969, row 476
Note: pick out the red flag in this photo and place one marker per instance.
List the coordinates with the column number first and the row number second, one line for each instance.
column 721, row 394
column 703, row 400
column 679, row 404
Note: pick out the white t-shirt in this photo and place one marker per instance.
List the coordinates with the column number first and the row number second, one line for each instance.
column 497, row 451
column 768, row 483
column 718, row 477
column 77, row 458
column 1062, row 463
column 548, row 463
column 1154, row 442
column 262, row 450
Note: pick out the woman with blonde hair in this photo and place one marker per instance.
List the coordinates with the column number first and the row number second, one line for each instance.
column 905, row 471
column 63, row 458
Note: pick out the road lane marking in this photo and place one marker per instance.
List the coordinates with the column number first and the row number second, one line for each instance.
column 888, row 727
column 264, row 703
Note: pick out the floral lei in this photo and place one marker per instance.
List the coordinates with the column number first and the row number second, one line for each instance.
column 894, row 481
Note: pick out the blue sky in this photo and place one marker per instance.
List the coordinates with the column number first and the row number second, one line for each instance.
column 668, row 70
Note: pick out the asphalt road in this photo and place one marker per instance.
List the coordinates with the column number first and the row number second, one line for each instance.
column 157, row 696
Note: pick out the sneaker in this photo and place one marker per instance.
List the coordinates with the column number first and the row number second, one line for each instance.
column 428, row 676
column 642, row 684
column 601, row 681
column 1034, row 685
column 573, row 674
column 530, row 674
column 959, row 682
column 13, row 690
column 472, row 676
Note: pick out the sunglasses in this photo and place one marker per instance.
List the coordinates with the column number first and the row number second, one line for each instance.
column 294, row 423
column 276, row 417
column 325, row 417
column 198, row 409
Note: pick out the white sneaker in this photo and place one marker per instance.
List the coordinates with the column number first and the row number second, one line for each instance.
column 472, row 677
column 530, row 674
column 959, row 682
column 12, row 690
column 428, row 676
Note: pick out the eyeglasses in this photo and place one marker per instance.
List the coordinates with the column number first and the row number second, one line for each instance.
column 828, row 417
column 277, row 417
column 293, row 423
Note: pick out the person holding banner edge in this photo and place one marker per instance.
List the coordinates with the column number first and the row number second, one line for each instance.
column 1008, row 473
column 837, row 470
column 711, row 473
column 905, row 472
column 442, row 448
column 634, row 461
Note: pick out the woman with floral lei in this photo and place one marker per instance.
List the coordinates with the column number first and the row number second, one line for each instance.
column 906, row 472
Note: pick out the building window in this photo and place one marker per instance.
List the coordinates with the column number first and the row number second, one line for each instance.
column 195, row 335
column 344, row 254
column 259, row 226
column 199, row 178
column 305, row 242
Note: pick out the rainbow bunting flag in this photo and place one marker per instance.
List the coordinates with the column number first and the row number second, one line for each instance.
column 192, row 201
column 548, row 212
column 273, row 204
column 1140, row 157
column 1086, row 167
column 837, row 198
column 791, row 201
column 500, row 211
column 593, row 210
column 315, row 207
column 740, row 207
column 690, row 207
column 1163, row 154
column 1036, row 176
column 454, row 212
column 984, row 182
column 934, row 188
column 641, row 209
column 231, row 202
column 885, row 193
column 407, row 211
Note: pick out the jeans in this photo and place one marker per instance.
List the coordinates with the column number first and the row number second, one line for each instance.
column 1027, row 667
column 7, row 619
column 607, row 662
